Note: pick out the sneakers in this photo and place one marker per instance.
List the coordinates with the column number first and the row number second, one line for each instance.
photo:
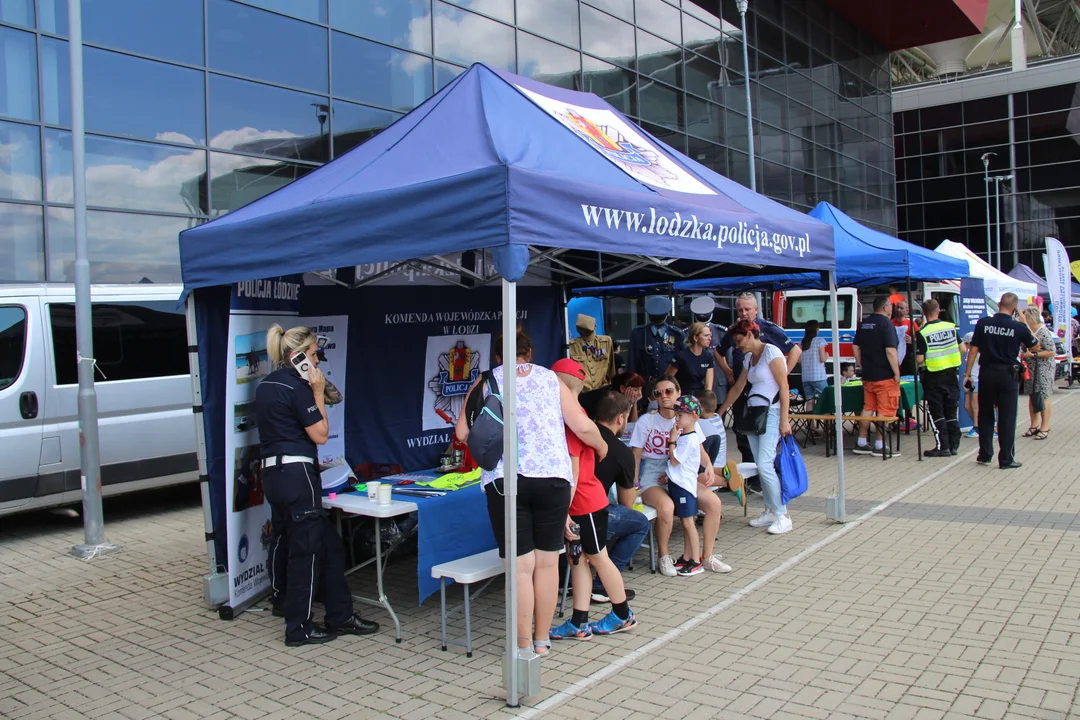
column 691, row 568
column 599, row 595
column 765, row 519
column 781, row 526
column 937, row 452
column 667, row 566
column 862, row 450
column 972, row 433
column 611, row 624
column 714, row 563
column 569, row 631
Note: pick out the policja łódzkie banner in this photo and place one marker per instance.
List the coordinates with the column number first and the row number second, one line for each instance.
column 972, row 309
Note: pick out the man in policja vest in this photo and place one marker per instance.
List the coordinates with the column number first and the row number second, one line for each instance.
column 938, row 355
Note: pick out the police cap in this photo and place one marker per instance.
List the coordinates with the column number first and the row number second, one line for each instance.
column 657, row 305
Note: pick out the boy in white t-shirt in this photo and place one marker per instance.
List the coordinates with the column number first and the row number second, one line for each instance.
column 713, row 425
column 684, row 453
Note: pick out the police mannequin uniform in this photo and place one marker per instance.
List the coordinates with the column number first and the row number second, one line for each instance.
column 702, row 308
column 936, row 341
column 653, row 344
column 595, row 353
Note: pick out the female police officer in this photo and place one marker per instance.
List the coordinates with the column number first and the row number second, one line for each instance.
column 291, row 413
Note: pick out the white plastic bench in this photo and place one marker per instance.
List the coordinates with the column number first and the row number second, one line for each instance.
column 466, row 571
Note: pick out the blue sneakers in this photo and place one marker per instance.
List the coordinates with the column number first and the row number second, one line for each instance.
column 570, row 631
column 611, row 624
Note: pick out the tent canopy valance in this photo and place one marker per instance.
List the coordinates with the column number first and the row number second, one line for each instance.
column 527, row 171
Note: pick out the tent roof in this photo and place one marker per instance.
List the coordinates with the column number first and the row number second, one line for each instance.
column 497, row 161
column 1025, row 273
column 996, row 282
column 863, row 257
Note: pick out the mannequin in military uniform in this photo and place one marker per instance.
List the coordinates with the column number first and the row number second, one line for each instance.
column 653, row 344
column 702, row 309
column 595, row 353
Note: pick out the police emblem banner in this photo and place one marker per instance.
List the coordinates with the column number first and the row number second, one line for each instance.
column 1059, row 284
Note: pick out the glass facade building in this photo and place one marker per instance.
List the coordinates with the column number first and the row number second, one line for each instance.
column 941, row 179
column 196, row 107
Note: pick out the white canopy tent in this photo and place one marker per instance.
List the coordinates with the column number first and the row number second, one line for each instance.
column 995, row 282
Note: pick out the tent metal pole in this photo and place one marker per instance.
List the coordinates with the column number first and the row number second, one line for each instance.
column 918, row 428
column 566, row 320
column 836, row 507
column 215, row 584
column 510, row 473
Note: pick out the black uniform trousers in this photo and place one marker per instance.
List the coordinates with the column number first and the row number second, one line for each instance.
column 998, row 388
column 942, row 390
column 301, row 532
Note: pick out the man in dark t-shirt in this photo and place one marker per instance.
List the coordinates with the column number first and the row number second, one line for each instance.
column 627, row 527
column 875, row 348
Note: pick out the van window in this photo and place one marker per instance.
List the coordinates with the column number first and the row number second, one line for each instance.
column 12, row 344
column 131, row 341
column 800, row 310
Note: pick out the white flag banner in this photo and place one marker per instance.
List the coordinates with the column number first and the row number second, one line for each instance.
column 1059, row 283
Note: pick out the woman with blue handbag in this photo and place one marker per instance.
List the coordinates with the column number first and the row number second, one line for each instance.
column 762, row 415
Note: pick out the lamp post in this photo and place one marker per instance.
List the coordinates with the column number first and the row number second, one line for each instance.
column 986, row 171
column 998, row 179
column 743, row 5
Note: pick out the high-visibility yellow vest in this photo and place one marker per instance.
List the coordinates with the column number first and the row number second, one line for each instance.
column 942, row 350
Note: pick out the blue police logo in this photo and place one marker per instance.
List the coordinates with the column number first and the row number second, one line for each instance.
column 242, row 548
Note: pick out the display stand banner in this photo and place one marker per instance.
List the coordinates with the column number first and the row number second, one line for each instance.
column 414, row 354
column 254, row 307
column 972, row 309
column 1059, row 284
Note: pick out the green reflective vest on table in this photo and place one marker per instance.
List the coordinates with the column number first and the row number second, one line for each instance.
column 942, row 350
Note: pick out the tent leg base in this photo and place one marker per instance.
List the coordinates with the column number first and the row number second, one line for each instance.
column 215, row 589
column 834, row 509
column 89, row 552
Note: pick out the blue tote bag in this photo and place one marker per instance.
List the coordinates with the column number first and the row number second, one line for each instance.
column 794, row 480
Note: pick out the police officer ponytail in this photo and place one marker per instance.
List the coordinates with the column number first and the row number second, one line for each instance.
column 281, row 344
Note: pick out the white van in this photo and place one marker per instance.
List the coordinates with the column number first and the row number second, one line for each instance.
column 143, row 383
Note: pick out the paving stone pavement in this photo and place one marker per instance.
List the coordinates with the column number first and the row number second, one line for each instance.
column 958, row 600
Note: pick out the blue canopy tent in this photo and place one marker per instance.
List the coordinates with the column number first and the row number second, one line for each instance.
column 505, row 165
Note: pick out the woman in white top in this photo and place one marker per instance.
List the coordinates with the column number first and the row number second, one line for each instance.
column 766, row 369
column 545, row 407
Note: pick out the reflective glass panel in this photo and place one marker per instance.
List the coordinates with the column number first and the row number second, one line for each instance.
column 661, row 106
column 155, row 100
column 499, row 9
column 266, row 120
column 704, row 77
column 606, row 37
column 17, row 12
column 18, row 75
column 444, row 73
column 617, row 86
column 169, row 29
column 55, row 85
column 122, row 247
column 661, row 18
column 621, row 8
column 22, row 254
column 263, row 45
column 555, row 19
column 406, row 23
column 548, row 62
column 704, row 119
column 658, row 58
column 237, row 180
column 20, row 162
column 53, row 16
column 702, row 37
column 380, row 75
column 353, row 124
column 466, row 37
column 128, row 174
column 313, row 10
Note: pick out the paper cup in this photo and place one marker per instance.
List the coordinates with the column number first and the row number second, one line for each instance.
column 384, row 494
column 373, row 490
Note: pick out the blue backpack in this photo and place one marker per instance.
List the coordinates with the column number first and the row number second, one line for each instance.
column 794, row 480
column 486, row 436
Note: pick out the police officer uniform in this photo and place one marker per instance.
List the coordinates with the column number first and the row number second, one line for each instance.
column 998, row 339
column 306, row 554
column 702, row 308
column 654, row 344
column 936, row 342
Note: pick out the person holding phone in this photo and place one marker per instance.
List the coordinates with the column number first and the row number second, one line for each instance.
column 304, row 547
